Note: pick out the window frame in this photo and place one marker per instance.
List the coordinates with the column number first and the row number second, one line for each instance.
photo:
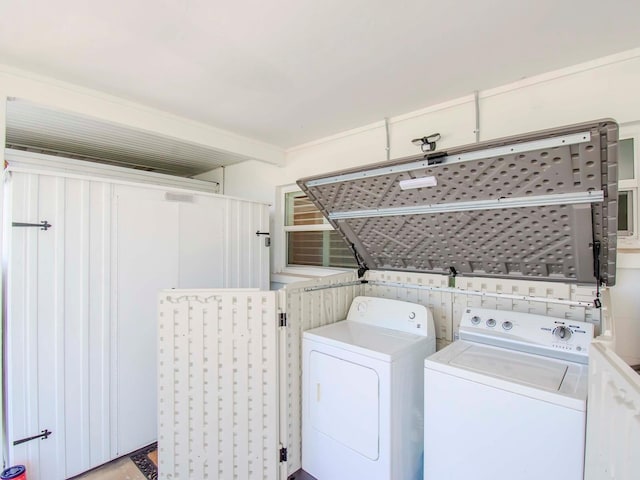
column 284, row 273
column 632, row 185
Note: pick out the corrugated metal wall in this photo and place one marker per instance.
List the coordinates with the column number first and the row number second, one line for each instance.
column 58, row 328
column 613, row 417
column 246, row 259
column 218, row 391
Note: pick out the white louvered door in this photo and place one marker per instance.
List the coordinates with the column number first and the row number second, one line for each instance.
column 218, row 385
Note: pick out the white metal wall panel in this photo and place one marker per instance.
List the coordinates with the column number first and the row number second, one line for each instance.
column 218, row 393
column 57, row 333
column 613, row 417
column 147, row 248
column 309, row 305
column 246, row 262
column 200, row 221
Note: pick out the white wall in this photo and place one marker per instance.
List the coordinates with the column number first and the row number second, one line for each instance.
column 606, row 87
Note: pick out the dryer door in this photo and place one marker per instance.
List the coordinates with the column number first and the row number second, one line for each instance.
column 344, row 402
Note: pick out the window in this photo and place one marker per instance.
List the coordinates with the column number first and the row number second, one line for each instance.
column 628, row 183
column 310, row 239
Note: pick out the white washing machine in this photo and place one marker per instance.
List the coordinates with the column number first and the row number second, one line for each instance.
column 363, row 392
column 508, row 400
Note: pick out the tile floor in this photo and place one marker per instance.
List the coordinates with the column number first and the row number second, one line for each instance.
column 125, row 469
column 120, row 469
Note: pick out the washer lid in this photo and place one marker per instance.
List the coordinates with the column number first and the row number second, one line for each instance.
column 550, row 380
column 376, row 342
column 539, row 372
column 537, row 206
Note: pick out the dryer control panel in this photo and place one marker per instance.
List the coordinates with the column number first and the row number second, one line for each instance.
column 393, row 314
column 539, row 334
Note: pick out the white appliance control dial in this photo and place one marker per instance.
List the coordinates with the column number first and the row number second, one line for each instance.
column 563, row 333
column 507, row 325
column 491, row 322
column 475, row 320
column 412, row 315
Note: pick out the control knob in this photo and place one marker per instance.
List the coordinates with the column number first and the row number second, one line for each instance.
column 475, row 320
column 563, row 333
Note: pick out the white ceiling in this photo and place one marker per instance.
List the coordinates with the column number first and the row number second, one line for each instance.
column 290, row 71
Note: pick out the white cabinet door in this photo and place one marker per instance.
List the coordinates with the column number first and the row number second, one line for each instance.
column 57, row 332
column 147, row 244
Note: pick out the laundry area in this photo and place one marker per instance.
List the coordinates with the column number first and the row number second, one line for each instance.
column 294, row 241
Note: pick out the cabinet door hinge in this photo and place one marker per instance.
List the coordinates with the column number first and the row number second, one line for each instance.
column 283, row 454
column 283, row 319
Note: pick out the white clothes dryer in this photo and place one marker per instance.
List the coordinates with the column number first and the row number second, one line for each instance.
column 363, row 392
column 508, row 400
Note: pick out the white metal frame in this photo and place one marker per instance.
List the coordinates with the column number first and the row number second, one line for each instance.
column 492, row 204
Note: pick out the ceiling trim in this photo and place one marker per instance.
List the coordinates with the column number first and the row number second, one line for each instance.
column 562, row 72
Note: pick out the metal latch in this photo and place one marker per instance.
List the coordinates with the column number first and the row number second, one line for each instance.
column 44, row 435
column 43, row 225
column 267, row 239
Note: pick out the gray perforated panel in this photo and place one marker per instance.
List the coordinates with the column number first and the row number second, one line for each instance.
column 546, row 242
column 542, row 172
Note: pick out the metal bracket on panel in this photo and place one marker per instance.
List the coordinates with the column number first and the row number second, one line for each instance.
column 43, row 225
column 282, row 319
column 452, row 277
column 283, row 454
column 596, row 248
column 436, row 158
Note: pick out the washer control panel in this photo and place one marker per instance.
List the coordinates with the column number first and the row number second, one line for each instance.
column 550, row 336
